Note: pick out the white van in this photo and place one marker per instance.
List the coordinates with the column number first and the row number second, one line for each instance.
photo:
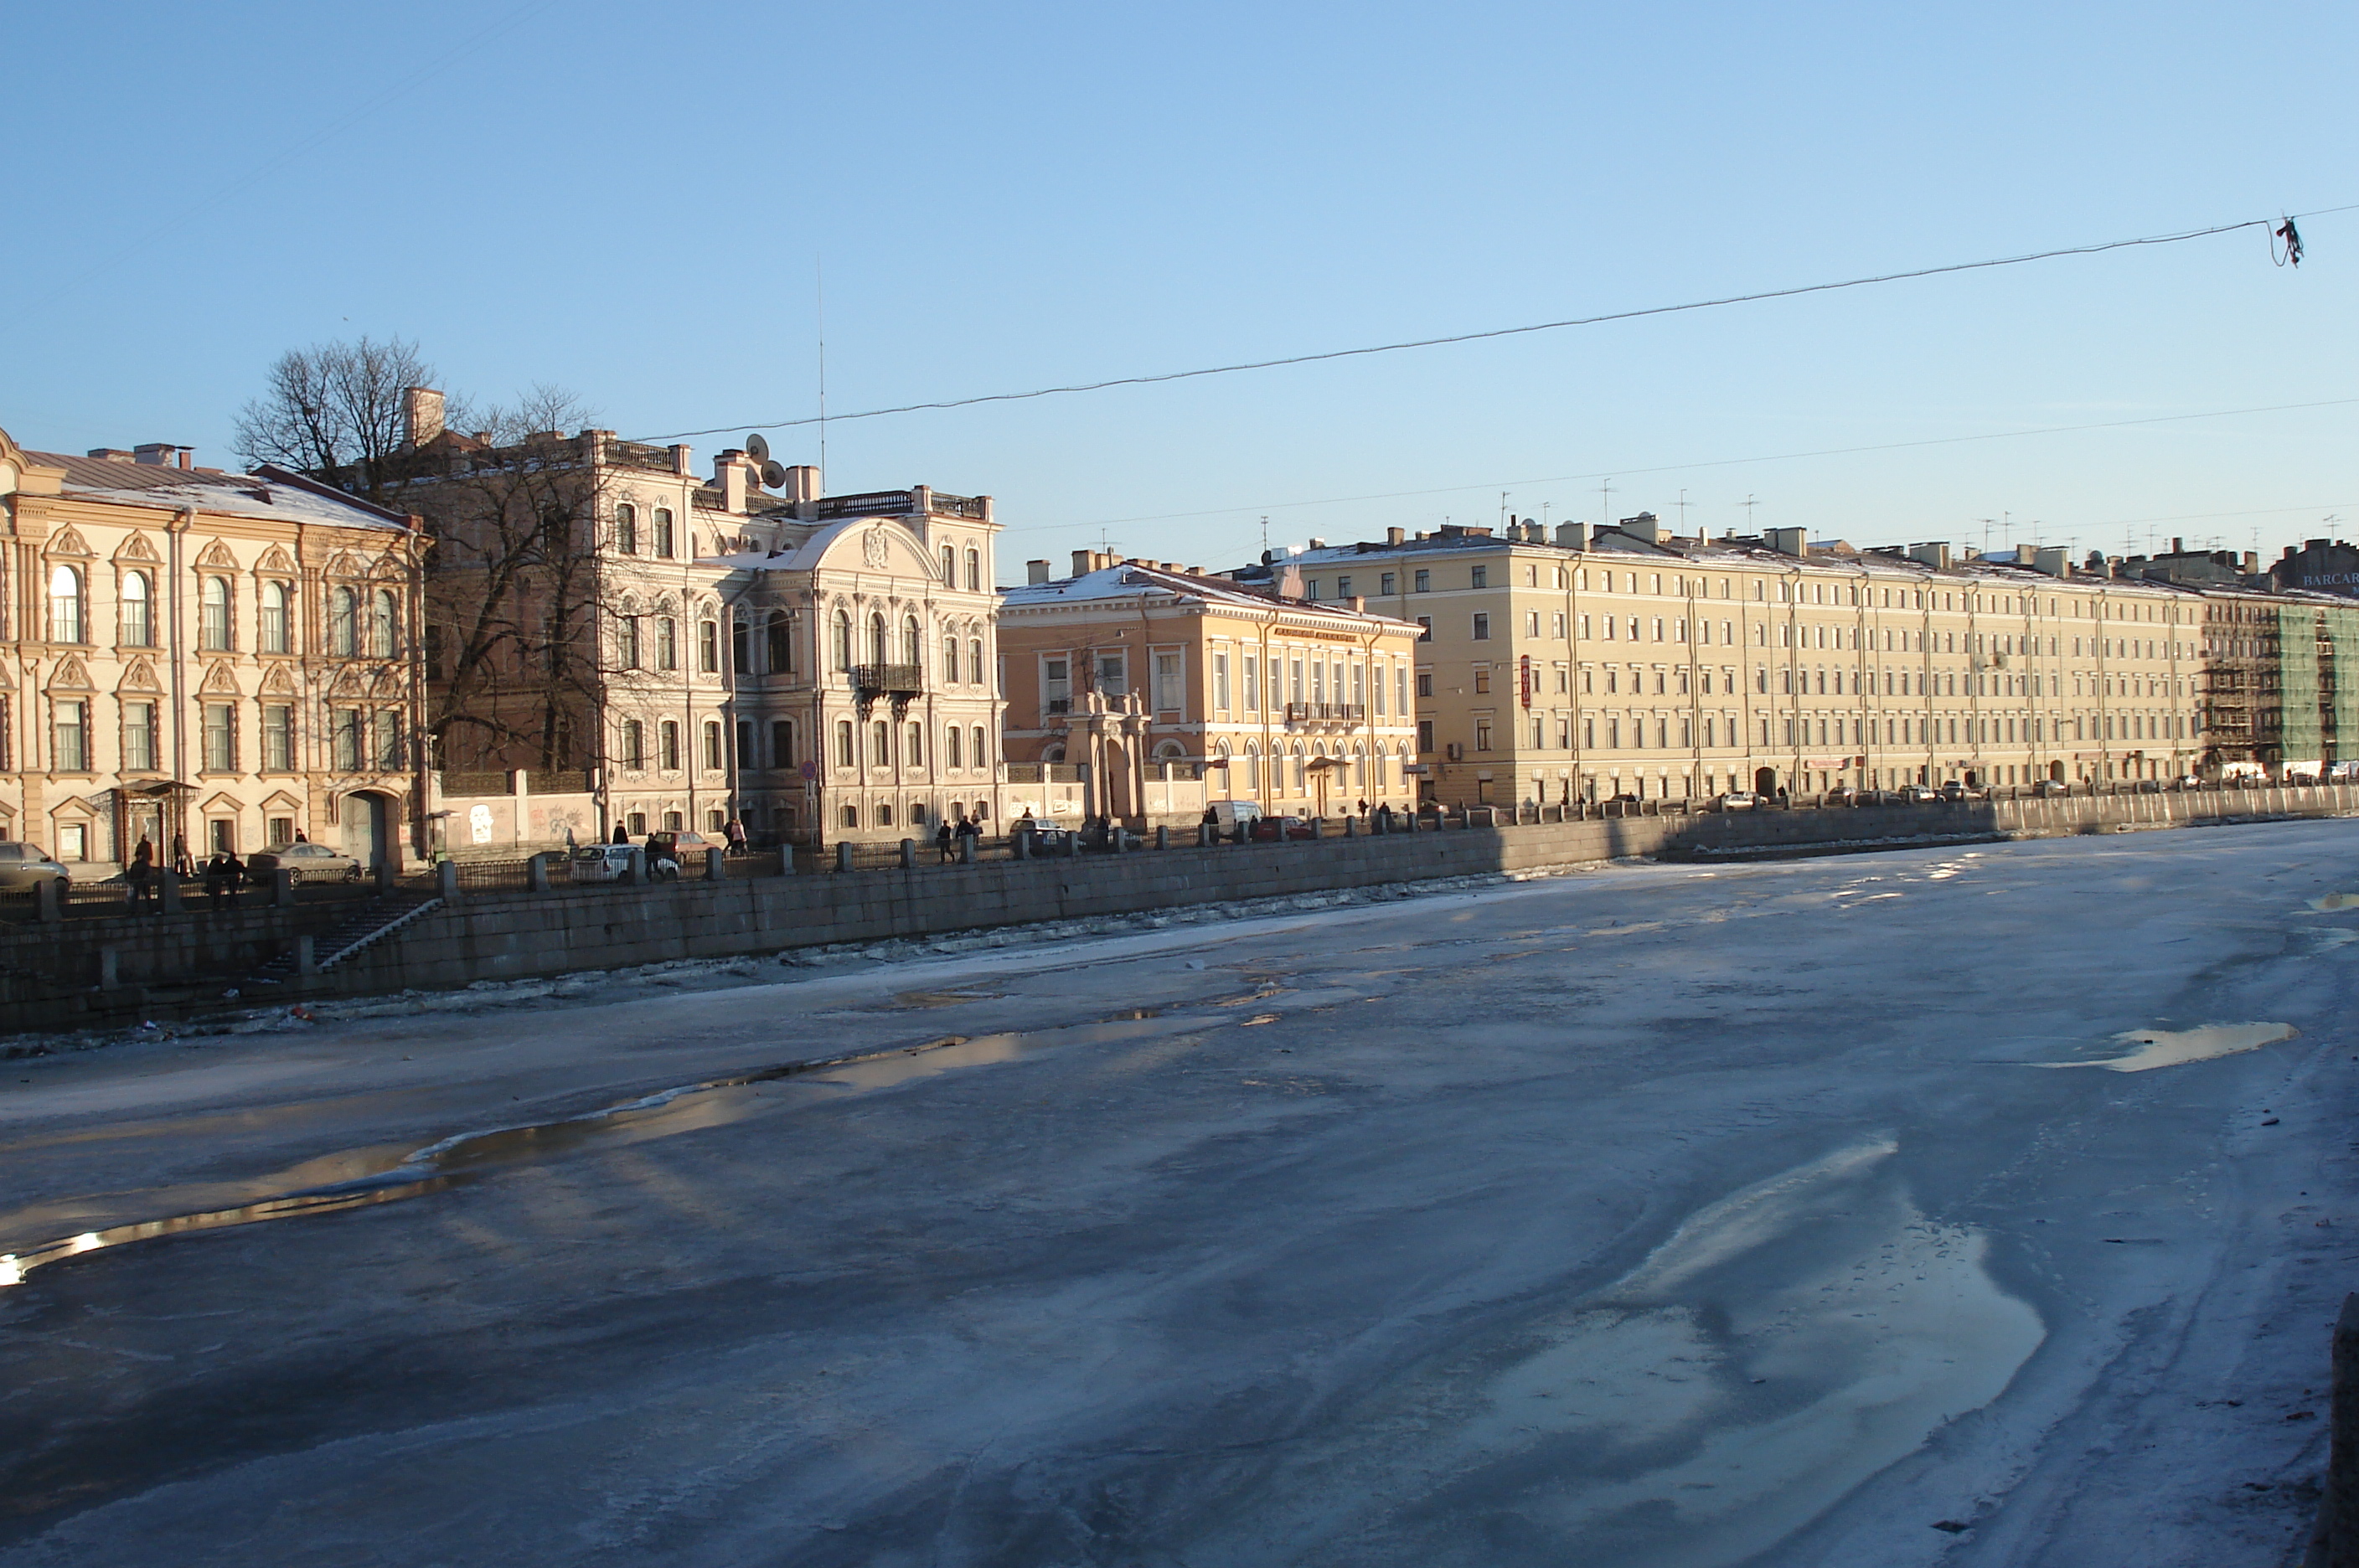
column 1229, row 813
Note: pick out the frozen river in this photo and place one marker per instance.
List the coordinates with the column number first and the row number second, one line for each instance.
column 1963, row 1206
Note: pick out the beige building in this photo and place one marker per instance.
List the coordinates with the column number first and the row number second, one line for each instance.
column 224, row 659
column 1635, row 663
column 690, row 649
column 1136, row 675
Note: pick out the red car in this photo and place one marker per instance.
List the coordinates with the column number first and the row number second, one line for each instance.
column 1269, row 830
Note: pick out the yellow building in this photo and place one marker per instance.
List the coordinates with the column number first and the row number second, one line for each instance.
column 1136, row 674
column 223, row 659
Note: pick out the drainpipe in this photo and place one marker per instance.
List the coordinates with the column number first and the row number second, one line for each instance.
column 176, row 532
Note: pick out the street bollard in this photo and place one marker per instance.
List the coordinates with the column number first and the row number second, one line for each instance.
column 282, row 888
column 1206, row 835
column 48, row 907
column 168, row 891
column 715, row 870
column 635, row 873
column 1072, row 845
column 1163, row 836
column 1023, row 842
column 384, row 871
column 909, row 855
column 306, row 956
column 843, row 854
column 966, row 848
column 1351, row 827
column 110, row 968
column 536, row 873
column 446, row 881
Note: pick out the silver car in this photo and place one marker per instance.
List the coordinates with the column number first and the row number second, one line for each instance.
column 24, row 866
column 303, row 863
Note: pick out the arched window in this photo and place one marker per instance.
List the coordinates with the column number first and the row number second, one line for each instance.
column 634, row 743
column 951, row 748
column 277, row 618
column 711, row 745
column 666, row 643
column 975, row 661
column 1301, row 771
column 385, row 626
column 950, row 659
column 343, row 612
column 982, row 753
column 1359, row 769
column 852, row 816
column 950, row 566
column 138, row 610
column 626, row 641
column 913, row 647
column 670, row 737
column 975, row 571
column 626, row 529
column 879, row 652
column 913, row 753
column 663, row 533
column 843, row 743
column 782, row 645
column 842, row 640
column 881, row 744
column 708, row 646
column 213, row 619
column 1253, row 765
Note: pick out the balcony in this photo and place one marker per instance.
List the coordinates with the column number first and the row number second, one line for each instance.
column 902, row 681
column 1337, row 713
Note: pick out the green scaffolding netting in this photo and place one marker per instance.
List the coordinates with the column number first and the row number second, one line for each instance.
column 2299, row 730
column 2343, row 680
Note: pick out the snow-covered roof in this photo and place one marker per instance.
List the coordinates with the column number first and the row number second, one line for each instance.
column 272, row 493
column 1130, row 581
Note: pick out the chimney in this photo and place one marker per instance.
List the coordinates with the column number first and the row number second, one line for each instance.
column 1358, row 604
column 1084, row 562
column 1035, row 572
column 682, row 461
column 1936, row 556
column 421, row 415
column 1647, row 527
column 1393, row 536
column 2051, row 560
column 1796, row 541
column 116, row 455
column 2252, row 563
column 730, row 471
column 155, row 454
column 2178, row 545
column 1569, row 535
column 1317, row 543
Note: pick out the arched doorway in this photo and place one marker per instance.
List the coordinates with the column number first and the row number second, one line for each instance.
column 2055, row 771
column 367, row 819
column 1764, row 781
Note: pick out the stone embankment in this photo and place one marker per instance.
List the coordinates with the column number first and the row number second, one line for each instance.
column 102, row 972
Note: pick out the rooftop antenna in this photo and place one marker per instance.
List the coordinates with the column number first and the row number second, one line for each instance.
column 1264, row 536
column 1986, row 522
column 1544, row 512
column 1605, row 503
column 1503, row 510
column 819, row 273
column 1684, row 512
column 1749, row 503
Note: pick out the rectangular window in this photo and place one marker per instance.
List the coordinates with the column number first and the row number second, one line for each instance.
column 278, row 738
column 279, row 830
column 1387, row 582
column 1310, row 589
column 1425, row 734
column 1166, row 683
column 1482, row 628
column 1342, row 587
column 1482, row 679
column 663, row 533
column 347, row 731
column 1482, row 735
column 1114, row 672
column 1424, row 585
column 668, row 736
column 1057, row 685
column 1400, row 690
column 782, row 743
column 1556, row 626
column 138, row 737
column 1480, row 577
column 220, row 737
column 1424, row 628
column 634, row 743
column 1424, row 682
column 1253, row 684
column 388, row 738
column 1220, row 682
column 74, row 738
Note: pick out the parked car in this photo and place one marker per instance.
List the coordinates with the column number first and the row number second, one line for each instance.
column 303, row 863
column 1918, row 794
column 687, row 848
column 1955, row 793
column 1270, row 830
column 24, row 866
column 1738, row 801
column 1841, row 795
column 2051, row 787
column 612, row 863
column 1229, row 813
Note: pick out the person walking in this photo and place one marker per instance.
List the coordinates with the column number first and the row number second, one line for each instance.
column 223, row 874
column 621, row 833
column 736, row 833
column 942, row 840
column 141, row 873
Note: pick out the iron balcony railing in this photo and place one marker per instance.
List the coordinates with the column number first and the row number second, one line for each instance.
column 897, row 678
column 1324, row 712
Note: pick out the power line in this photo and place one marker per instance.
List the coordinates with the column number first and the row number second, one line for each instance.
column 2268, row 224
column 1683, row 467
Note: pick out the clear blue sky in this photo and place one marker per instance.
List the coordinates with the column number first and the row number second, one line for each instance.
column 629, row 202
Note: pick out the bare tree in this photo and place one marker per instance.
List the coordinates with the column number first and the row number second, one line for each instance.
column 335, row 411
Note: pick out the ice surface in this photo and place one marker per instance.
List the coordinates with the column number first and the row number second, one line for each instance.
column 2174, row 1048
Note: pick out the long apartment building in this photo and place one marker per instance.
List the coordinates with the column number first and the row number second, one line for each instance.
column 1633, row 663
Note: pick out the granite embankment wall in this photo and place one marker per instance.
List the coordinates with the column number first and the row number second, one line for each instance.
column 54, row 977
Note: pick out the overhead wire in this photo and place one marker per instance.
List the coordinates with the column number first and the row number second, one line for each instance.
column 1794, row 292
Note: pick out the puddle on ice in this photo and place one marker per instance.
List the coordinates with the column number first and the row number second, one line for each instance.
column 1783, row 1345
column 2171, row 1047
column 385, row 1174
column 2334, row 901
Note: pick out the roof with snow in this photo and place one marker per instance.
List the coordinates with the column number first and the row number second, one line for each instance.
column 1131, row 582
column 272, row 493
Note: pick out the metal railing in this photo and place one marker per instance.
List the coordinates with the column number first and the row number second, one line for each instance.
column 893, row 677
column 638, row 454
column 874, row 504
column 1324, row 712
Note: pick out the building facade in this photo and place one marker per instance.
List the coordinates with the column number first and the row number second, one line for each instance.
column 1634, row 663
column 1138, row 673
column 210, row 660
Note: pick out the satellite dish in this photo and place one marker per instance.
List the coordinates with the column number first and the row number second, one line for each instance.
column 757, row 449
column 774, row 475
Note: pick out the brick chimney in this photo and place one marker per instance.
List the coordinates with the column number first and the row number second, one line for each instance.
column 421, row 415
column 1035, row 572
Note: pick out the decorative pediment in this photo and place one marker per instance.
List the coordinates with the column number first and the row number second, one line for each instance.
column 347, row 684
column 139, row 676
column 70, row 675
column 221, row 802
column 220, row 680
column 280, row 801
column 136, row 547
column 278, row 682
column 217, row 556
column 68, row 541
column 341, row 564
column 276, row 559
column 386, row 567
column 387, row 682
column 7, row 681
